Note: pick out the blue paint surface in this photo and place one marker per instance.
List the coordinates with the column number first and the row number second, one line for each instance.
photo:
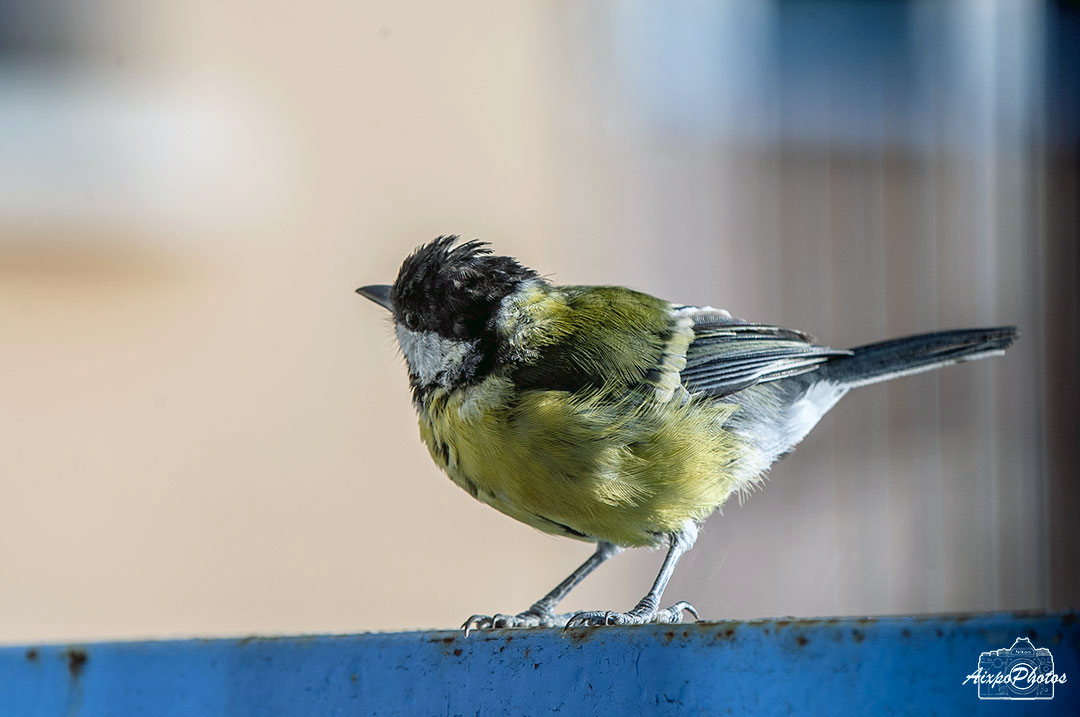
column 831, row 666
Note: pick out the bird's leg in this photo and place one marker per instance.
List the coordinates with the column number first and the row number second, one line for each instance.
column 540, row 614
column 647, row 610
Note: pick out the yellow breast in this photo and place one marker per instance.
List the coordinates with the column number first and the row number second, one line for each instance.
column 626, row 471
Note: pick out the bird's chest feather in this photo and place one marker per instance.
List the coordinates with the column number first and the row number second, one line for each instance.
column 488, row 442
column 582, row 468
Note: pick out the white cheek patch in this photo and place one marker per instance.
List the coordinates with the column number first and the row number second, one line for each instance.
column 436, row 359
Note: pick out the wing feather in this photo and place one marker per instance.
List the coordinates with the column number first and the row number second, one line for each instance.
column 728, row 355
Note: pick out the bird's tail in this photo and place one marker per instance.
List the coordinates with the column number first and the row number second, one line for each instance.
column 914, row 354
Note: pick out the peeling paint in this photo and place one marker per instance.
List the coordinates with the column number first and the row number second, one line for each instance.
column 76, row 661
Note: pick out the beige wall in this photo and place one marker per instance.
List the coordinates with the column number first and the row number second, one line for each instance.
column 204, row 431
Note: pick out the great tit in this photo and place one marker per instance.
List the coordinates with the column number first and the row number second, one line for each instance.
column 611, row 416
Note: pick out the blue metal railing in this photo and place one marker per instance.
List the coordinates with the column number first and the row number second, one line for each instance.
column 828, row 666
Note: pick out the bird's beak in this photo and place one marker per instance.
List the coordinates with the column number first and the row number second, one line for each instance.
column 379, row 293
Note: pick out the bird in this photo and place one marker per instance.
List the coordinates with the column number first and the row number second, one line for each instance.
column 611, row 416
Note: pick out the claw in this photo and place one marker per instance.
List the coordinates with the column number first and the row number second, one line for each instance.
column 593, row 618
column 524, row 619
column 674, row 613
column 479, row 622
column 596, row 618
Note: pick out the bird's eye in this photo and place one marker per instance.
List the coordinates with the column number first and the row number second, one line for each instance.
column 410, row 321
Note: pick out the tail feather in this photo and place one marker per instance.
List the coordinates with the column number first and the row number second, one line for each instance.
column 915, row 354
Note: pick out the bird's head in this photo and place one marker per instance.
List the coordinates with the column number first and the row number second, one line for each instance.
column 445, row 303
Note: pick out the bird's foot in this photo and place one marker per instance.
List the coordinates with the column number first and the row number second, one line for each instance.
column 640, row 615
column 529, row 618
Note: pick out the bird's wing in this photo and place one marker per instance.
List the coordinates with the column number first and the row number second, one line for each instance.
column 601, row 339
column 728, row 355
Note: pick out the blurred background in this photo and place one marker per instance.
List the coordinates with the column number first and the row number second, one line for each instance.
column 203, row 430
